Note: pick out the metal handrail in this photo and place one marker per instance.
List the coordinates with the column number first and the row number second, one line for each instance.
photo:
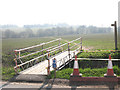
column 75, row 45
column 50, row 51
column 36, row 45
column 35, row 58
column 37, row 52
column 97, row 59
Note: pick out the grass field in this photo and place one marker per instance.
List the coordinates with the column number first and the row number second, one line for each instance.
column 96, row 41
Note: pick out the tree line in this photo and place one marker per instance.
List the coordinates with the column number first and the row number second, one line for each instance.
column 56, row 31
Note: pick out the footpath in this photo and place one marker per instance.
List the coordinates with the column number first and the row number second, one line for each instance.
column 53, row 84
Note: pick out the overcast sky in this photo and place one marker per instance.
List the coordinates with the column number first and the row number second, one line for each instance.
column 73, row 12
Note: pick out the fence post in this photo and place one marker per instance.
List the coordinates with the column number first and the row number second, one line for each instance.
column 69, row 54
column 48, row 69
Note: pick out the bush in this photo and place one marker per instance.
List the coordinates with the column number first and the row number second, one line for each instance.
column 116, row 70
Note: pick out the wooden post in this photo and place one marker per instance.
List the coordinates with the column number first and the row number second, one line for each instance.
column 115, row 30
column 116, row 36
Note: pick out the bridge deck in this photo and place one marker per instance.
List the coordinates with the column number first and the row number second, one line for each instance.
column 41, row 68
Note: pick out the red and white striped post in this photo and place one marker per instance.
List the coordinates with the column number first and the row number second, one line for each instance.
column 110, row 72
column 16, row 61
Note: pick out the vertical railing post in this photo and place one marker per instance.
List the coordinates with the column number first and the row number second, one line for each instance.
column 19, row 54
column 15, row 57
column 59, row 45
column 69, row 54
column 48, row 69
column 42, row 52
column 20, row 60
column 16, row 61
column 81, row 43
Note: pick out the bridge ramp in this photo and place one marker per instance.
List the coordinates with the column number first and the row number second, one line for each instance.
column 41, row 68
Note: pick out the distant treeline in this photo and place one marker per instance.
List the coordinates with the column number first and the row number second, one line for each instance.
column 56, row 31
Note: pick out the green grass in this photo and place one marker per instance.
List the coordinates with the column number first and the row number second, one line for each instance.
column 7, row 73
column 9, row 45
column 87, row 72
column 96, row 41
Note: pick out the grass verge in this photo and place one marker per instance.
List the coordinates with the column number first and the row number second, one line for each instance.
column 7, row 73
column 101, row 54
column 87, row 72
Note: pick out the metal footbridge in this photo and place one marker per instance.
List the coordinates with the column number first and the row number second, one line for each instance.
column 30, row 60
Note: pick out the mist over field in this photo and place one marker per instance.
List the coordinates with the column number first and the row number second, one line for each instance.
column 13, row 31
